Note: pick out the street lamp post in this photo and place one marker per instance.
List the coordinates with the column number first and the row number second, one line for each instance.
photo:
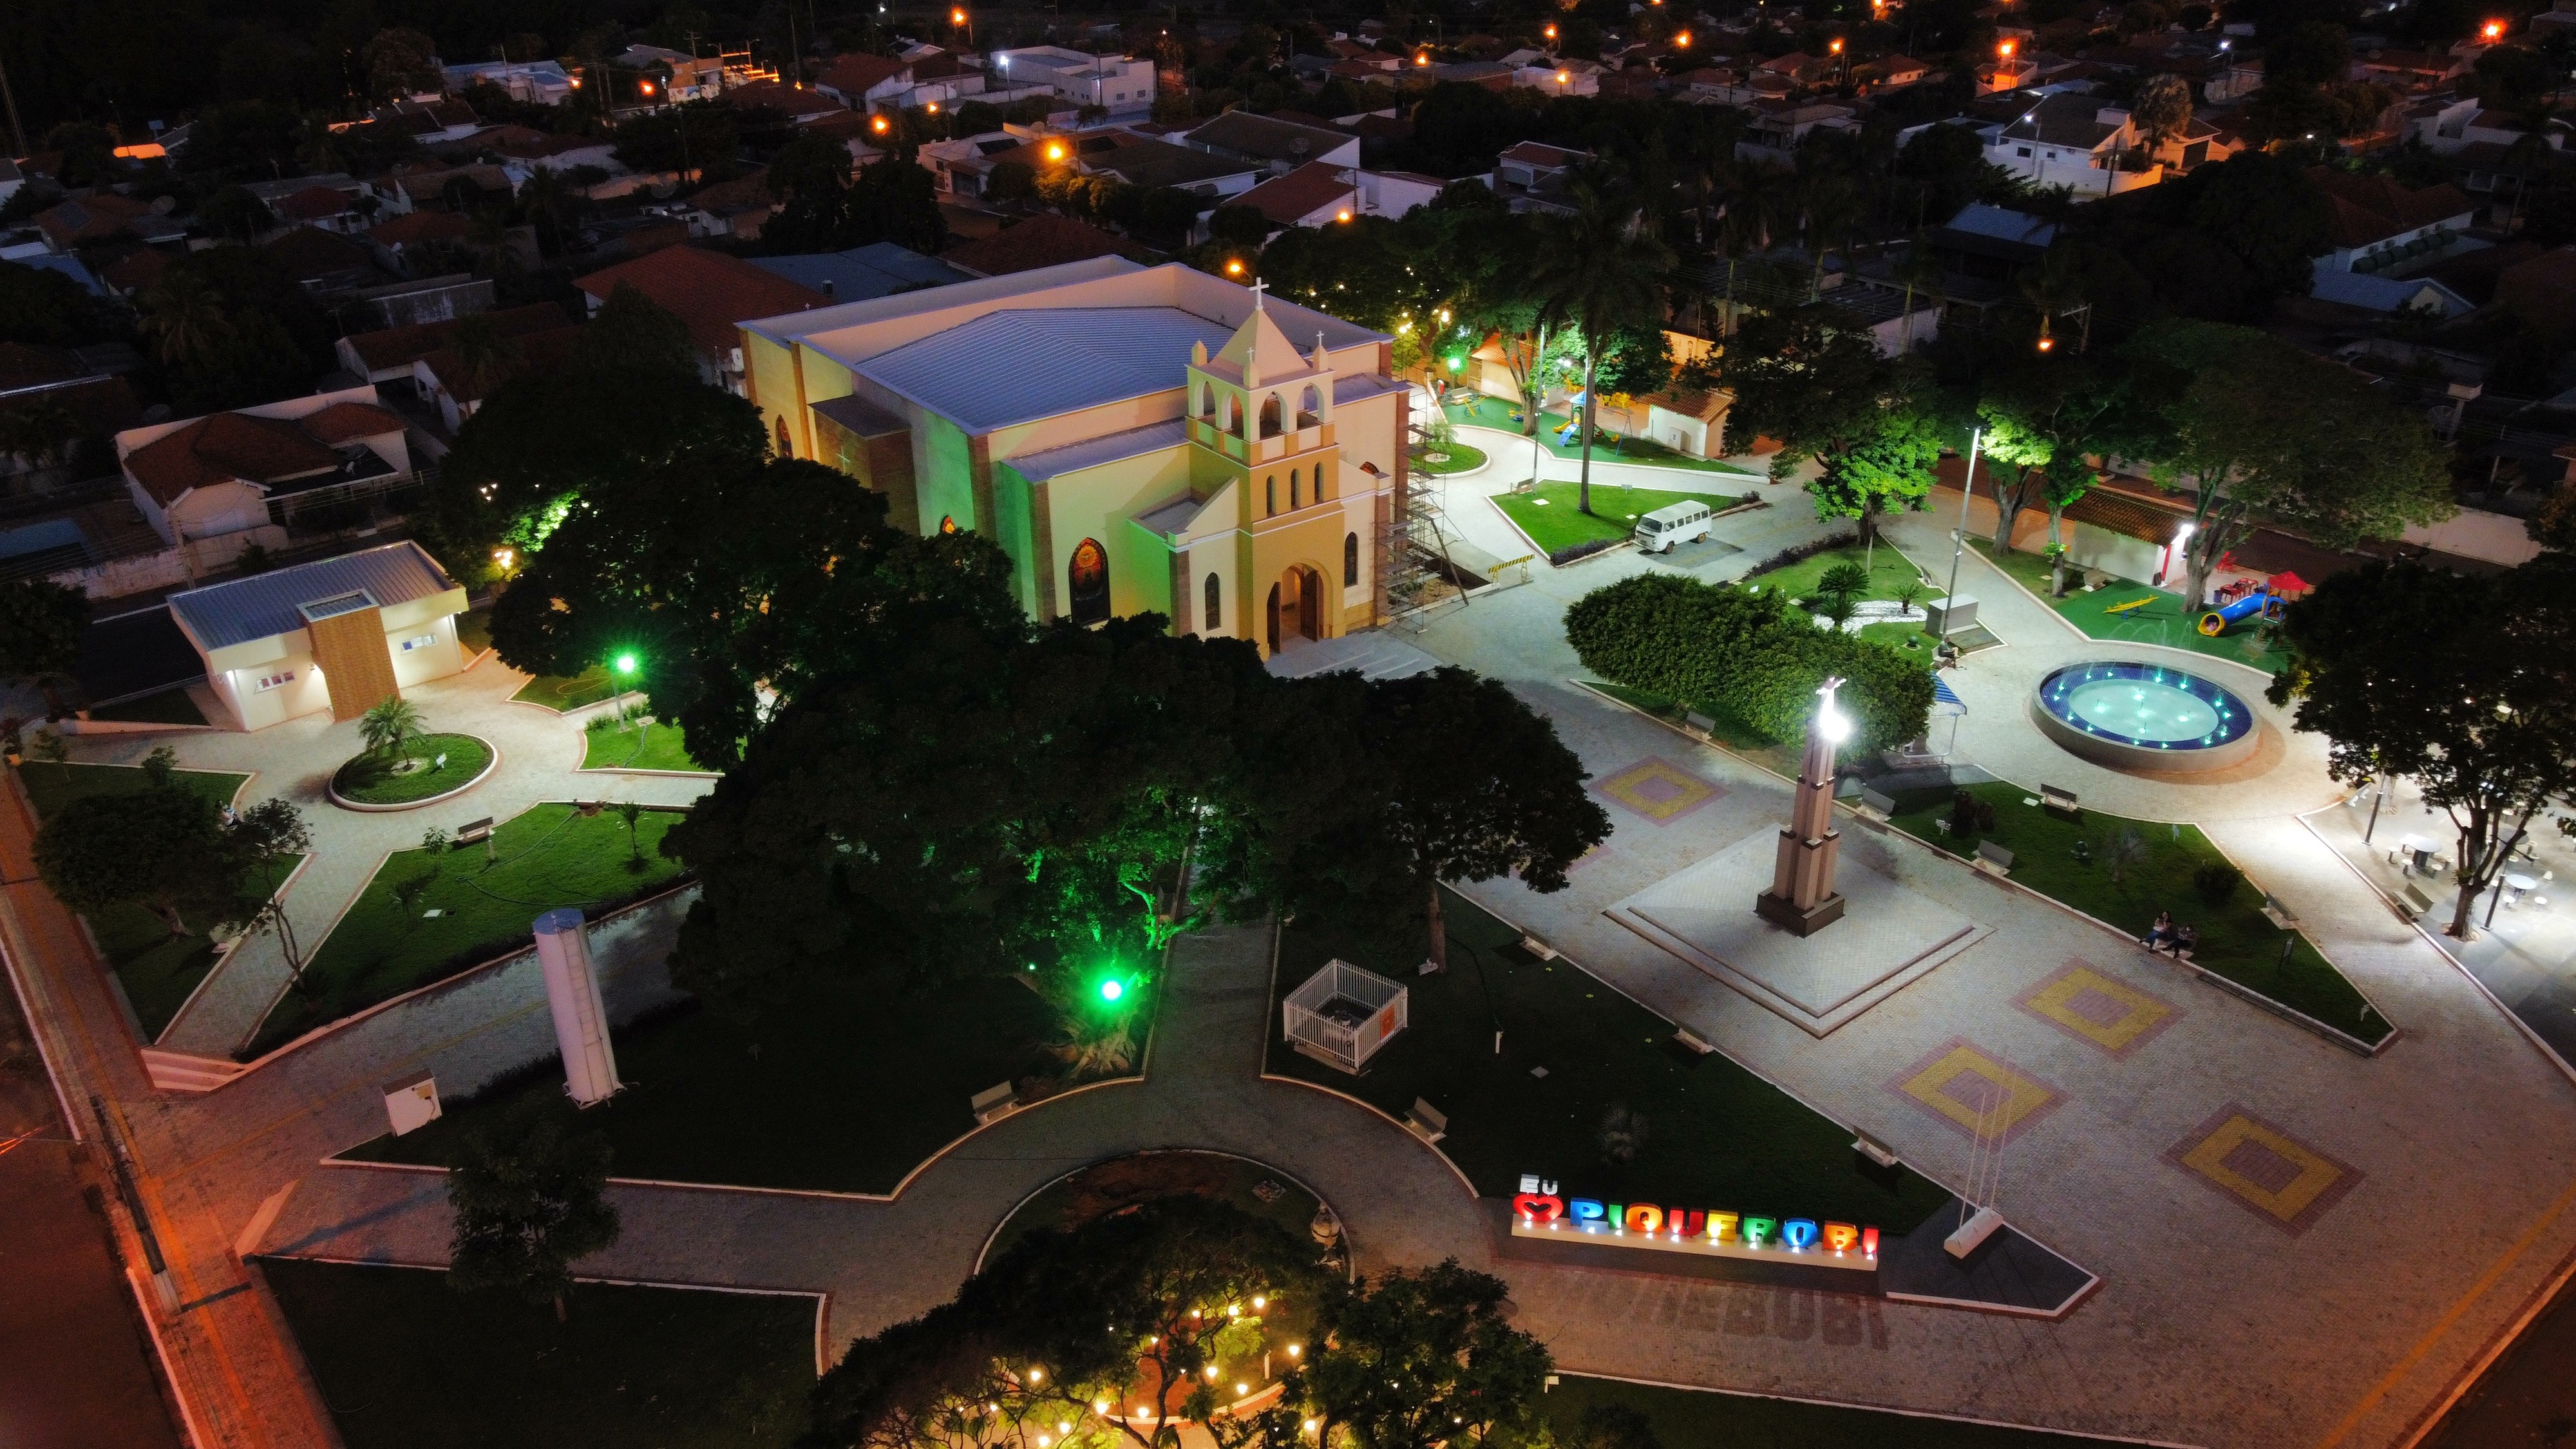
column 1967, row 490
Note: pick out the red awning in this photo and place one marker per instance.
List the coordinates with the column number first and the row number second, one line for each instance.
column 2288, row 582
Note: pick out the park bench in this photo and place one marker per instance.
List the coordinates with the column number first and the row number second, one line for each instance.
column 993, row 1104
column 1426, row 1121
column 1689, row 1041
column 2060, row 801
column 1874, row 803
column 1873, row 1149
column 1698, row 724
column 2279, row 914
column 2417, row 904
column 1993, row 858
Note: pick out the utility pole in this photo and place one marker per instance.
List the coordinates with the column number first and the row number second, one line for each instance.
column 11, row 97
column 1959, row 544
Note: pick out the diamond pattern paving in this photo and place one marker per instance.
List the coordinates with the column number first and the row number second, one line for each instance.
column 1963, row 1086
column 2265, row 1169
column 2091, row 1005
column 1657, row 789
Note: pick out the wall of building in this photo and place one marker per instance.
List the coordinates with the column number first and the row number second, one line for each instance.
column 943, row 470
column 1097, row 503
column 255, row 708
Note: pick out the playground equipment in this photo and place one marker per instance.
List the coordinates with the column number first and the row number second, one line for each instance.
column 2261, row 602
column 2136, row 603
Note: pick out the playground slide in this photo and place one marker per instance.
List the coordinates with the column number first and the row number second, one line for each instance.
column 2217, row 621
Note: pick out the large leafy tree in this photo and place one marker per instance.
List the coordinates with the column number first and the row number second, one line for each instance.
column 161, row 848
column 727, row 575
column 1811, row 377
column 1446, row 776
column 1599, row 271
column 529, row 1197
column 1417, row 1360
column 2465, row 683
column 1888, row 470
column 2262, row 432
column 1182, row 1284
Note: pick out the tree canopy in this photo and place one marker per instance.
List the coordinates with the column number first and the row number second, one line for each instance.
column 2465, row 684
column 529, row 1197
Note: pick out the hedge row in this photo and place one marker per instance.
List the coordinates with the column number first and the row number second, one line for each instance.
column 1724, row 650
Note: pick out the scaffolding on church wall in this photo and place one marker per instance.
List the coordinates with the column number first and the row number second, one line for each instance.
column 1414, row 545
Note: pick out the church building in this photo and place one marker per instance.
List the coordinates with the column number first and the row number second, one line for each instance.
column 1135, row 438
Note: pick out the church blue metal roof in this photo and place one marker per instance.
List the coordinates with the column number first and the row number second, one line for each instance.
column 1015, row 367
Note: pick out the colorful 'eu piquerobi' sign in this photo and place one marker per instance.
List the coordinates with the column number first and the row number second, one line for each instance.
column 1539, row 1212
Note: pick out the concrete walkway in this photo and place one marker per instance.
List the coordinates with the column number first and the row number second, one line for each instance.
column 2205, row 1329
column 541, row 754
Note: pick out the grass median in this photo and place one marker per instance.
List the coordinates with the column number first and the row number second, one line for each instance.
column 2237, row 940
column 2157, row 618
column 846, row 1086
column 1552, row 516
column 1607, row 447
column 429, row 914
column 406, row 1362
column 433, row 766
column 652, row 745
column 1589, row 1088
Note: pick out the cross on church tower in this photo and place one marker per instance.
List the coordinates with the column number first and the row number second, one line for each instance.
column 1258, row 286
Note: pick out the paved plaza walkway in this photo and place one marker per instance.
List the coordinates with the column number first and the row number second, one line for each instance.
column 541, row 754
column 2298, row 1245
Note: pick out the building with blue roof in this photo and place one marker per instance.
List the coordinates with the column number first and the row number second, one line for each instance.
column 339, row 634
column 1135, row 438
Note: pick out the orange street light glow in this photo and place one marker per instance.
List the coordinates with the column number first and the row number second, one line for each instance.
column 956, row 17
column 934, row 108
column 1343, row 215
column 1551, row 32
column 1836, row 47
column 2494, row 30
column 1682, row 40
column 1562, row 77
column 880, row 124
column 645, row 86
column 1422, row 59
column 1055, row 151
column 1234, row 269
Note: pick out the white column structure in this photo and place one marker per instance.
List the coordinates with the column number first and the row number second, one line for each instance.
column 572, row 995
column 1802, row 898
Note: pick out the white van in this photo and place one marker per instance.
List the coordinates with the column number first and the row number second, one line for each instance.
column 1674, row 523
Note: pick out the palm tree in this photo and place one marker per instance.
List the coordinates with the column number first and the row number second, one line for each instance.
column 1753, row 203
column 1828, row 208
column 2055, row 288
column 42, row 433
column 548, row 201
column 182, row 316
column 1918, row 268
column 1599, row 271
column 391, row 727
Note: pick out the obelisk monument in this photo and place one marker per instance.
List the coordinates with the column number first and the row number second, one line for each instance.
column 1802, row 898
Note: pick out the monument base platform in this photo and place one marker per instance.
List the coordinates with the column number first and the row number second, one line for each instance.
column 1788, row 917
column 1892, row 936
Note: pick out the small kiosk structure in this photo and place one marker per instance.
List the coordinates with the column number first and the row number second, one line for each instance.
column 1344, row 1014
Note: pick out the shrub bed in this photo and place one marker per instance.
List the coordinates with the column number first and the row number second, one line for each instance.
column 445, row 762
column 1748, row 655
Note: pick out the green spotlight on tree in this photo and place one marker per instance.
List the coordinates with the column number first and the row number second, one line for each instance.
column 626, row 664
column 1457, row 362
column 1112, row 989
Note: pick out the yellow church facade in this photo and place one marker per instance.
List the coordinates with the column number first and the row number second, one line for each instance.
column 1135, row 438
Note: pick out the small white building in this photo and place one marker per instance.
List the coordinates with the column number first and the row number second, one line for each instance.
column 338, row 634
column 1116, row 83
column 2073, row 141
column 208, row 477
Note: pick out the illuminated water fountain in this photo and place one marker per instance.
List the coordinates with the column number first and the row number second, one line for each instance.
column 2144, row 717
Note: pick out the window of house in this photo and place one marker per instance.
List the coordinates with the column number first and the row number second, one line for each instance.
column 785, row 448
column 1270, row 494
column 2021, row 150
column 418, row 641
column 1215, row 604
column 267, row 682
column 1350, row 560
column 1088, row 579
column 1292, row 489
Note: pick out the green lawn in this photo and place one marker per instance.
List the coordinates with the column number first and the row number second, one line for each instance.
column 846, row 1087
column 1452, row 458
column 1493, row 413
column 1716, row 1135
column 1554, row 520
column 2237, row 940
column 405, row 1362
column 654, row 746
column 158, row 970
column 1689, row 1419
column 170, row 706
column 441, row 763
column 2161, row 621
column 474, row 631
column 1888, row 570
column 547, row 856
column 559, row 694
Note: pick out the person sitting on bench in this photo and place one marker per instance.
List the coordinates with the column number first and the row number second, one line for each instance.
column 2157, row 934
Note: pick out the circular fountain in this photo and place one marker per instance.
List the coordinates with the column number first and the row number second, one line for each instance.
column 2137, row 716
